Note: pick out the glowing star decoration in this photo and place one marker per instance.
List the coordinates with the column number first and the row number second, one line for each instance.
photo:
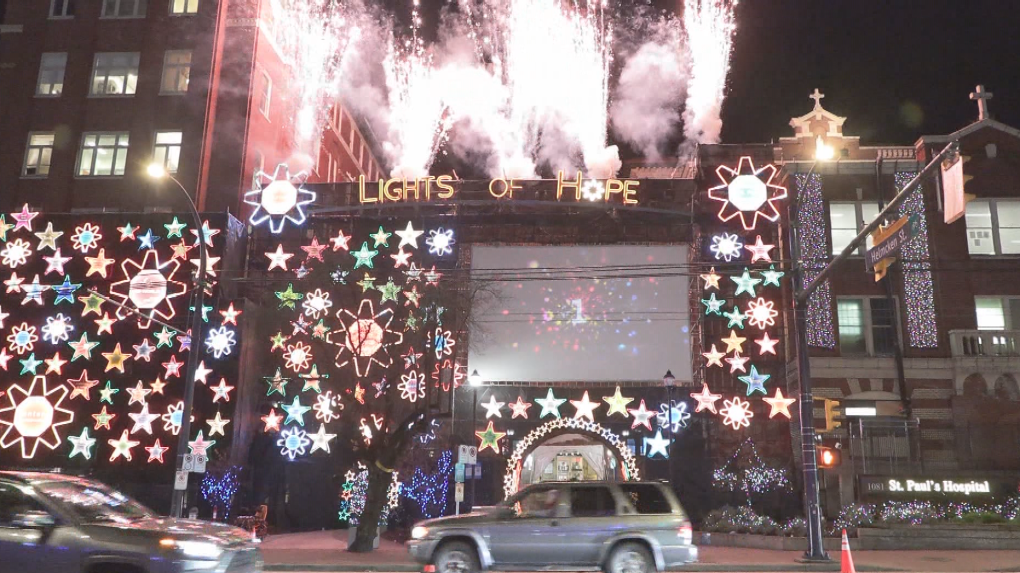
column 148, row 288
column 15, row 253
column 173, row 367
column 181, row 250
column 747, row 193
column 714, row 357
column 364, row 339
column 23, row 220
column 148, row 240
column 104, row 324
column 65, row 291
column 726, row 247
column 321, row 440
column 156, row 451
column 779, row 403
column 122, row 447
column 339, row 276
column 278, row 258
column 711, row 279
column 314, row 250
column 220, row 342
column 200, row 446
column 400, row 258
column 33, row 416
column 103, row 419
column 737, row 362
column 55, row 364
column 585, row 408
column 277, row 383
column 413, row 297
column 81, row 444
column 107, row 393
column 409, row 236
column 81, row 386
column 389, row 291
column 755, row 381
column 766, row 345
column 272, row 421
column 82, row 348
column 736, row 413
column 295, row 411
column 288, row 298
column 592, row 190
column 48, row 238
column 440, row 241
column 221, row 391
column 157, row 386
column 745, row 283
column 164, row 337
column 713, row 305
column 364, row 257
column 34, row 291
column 230, row 315
column 642, row 416
column 143, row 420
column 706, row 399
column 412, row 387
column 143, row 351
column 761, row 313
column 733, row 342
column 656, row 445
column 519, row 408
column 673, row 416
column 760, row 251
column 98, row 264
column 381, row 237
column 138, row 393
column 127, row 232
column 432, row 276
column 340, row 241
column 550, row 404
column 735, row 318
column 492, row 407
column 278, row 198
column 4, row 358
column 617, row 403
column 22, row 338
column 217, row 424
column 293, row 442
column 86, row 237
column 313, row 379
column 30, row 365
column 771, row 276
column 115, row 359
column 14, row 283
column 4, row 227
column 316, row 303
column 207, row 234
column 489, row 438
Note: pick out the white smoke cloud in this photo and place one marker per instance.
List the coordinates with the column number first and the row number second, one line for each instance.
column 646, row 109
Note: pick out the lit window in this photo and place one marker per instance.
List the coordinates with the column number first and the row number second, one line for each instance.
column 103, row 154
column 180, row 7
column 867, row 326
column 124, row 8
column 51, row 74
column 167, row 150
column 993, row 227
column 997, row 313
column 38, row 155
column 62, row 8
column 847, row 220
column 266, row 95
column 176, row 71
column 115, row 73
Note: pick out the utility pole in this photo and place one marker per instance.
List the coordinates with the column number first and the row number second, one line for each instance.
column 816, row 551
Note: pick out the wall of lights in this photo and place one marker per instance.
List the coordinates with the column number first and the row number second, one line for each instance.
column 814, row 252
column 918, row 288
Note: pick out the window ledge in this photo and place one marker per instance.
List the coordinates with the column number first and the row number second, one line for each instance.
column 23, row 176
column 98, row 176
column 48, row 96
column 110, row 96
column 173, row 94
column 60, row 18
column 142, row 17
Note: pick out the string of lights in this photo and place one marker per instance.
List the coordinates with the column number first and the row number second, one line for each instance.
column 814, row 251
column 918, row 288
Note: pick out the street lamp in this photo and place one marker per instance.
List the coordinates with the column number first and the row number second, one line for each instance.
column 474, row 379
column 158, row 172
column 668, row 380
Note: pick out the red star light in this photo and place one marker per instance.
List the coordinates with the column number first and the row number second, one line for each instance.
column 747, row 193
column 780, row 404
column 766, row 345
column 760, row 251
column 706, row 399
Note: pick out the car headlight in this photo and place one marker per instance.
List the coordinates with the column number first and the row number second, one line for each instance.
column 194, row 549
column 419, row 532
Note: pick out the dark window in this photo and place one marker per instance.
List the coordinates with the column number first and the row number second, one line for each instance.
column 592, row 502
column 647, row 498
column 14, row 502
column 538, row 503
column 883, row 329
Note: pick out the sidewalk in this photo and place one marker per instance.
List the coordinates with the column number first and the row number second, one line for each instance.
column 326, row 551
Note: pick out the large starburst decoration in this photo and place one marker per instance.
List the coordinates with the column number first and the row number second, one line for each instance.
column 364, row 338
column 748, row 193
column 148, row 287
column 278, row 198
column 32, row 416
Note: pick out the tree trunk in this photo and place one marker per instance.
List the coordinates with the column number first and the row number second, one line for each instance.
column 375, row 501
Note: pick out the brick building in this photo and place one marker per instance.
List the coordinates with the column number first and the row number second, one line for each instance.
column 94, row 91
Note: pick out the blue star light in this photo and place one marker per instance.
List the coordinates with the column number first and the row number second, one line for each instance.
column 65, row 291
column 147, row 240
column 755, row 381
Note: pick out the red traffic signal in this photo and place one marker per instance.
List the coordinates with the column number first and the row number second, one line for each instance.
column 828, row 457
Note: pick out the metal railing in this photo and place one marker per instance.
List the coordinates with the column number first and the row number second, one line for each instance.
column 984, row 342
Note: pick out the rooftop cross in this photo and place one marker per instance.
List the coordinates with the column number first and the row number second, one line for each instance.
column 817, row 96
column 981, row 96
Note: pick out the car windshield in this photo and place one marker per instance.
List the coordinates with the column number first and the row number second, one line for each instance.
column 94, row 502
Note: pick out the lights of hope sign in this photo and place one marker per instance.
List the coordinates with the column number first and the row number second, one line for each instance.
column 443, row 187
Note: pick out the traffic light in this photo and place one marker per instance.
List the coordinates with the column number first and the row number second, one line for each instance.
column 832, row 412
column 828, row 457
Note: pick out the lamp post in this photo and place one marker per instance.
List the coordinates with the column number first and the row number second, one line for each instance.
column 157, row 171
column 474, row 380
column 668, row 380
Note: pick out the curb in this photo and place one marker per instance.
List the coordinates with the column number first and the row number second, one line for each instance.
column 705, row 567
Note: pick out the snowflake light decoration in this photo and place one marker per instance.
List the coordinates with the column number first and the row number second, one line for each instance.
column 364, row 338
column 148, row 287
column 440, row 241
column 278, row 198
column 32, row 416
column 761, row 313
column 443, row 343
column 736, row 413
column 316, row 303
column 747, row 193
column 86, row 237
column 593, row 190
column 220, row 342
column 22, row 338
column 726, row 247
column 673, row 416
column 57, row 329
column 298, row 357
column 327, row 407
column 16, row 253
column 293, row 442
column 412, row 386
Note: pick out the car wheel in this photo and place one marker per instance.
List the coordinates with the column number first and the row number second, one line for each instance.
column 630, row 558
column 456, row 557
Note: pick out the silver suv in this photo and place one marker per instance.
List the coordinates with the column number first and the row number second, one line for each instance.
column 626, row 527
column 51, row 522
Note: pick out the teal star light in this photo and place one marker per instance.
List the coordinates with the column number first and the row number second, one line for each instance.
column 364, row 256
column 736, row 318
column 745, row 283
column 713, row 305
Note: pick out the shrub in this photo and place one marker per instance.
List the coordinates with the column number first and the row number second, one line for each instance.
column 796, row 527
column 982, row 517
column 851, row 517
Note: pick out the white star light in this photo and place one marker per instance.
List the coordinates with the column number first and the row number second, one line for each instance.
column 320, row 439
column 409, row 236
column 278, row 198
column 492, row 408
column 440, row 241
column 656, row 445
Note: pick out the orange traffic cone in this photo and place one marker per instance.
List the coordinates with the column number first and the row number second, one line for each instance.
column 847, row 562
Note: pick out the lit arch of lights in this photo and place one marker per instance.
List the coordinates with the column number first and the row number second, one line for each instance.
column 511, row 481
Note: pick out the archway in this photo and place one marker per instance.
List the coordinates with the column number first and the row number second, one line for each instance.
column 560, row 426
column 975, row 385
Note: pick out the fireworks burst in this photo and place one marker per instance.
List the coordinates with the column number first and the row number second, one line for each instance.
column 709, row 25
